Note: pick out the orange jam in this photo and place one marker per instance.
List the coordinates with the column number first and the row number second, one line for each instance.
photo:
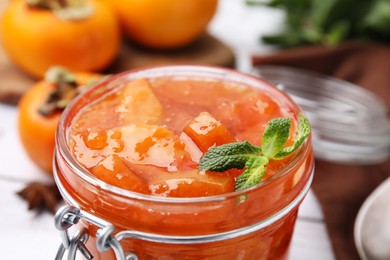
column 130, row 153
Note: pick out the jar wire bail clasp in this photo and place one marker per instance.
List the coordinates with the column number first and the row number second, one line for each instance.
column 66, row 217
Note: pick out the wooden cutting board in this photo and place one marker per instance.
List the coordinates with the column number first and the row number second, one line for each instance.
column 207, row 50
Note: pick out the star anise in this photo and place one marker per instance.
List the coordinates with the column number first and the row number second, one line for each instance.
column 41, row 196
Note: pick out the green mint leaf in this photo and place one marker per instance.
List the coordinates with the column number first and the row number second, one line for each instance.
column 255, row 159
column 303, row 132
column 228, row 156
column 275, row 136
column 255, row 169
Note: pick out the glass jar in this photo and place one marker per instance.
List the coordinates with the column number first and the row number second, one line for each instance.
column 350, row 124
column 256, row 223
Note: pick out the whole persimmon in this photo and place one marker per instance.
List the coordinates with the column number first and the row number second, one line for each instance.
column 79, row 35
column 164, row 24
column 40, row 109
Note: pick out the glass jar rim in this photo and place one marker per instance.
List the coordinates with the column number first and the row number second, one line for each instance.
column 212, row 72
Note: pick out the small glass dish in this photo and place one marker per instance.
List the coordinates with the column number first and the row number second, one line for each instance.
column 350, row 124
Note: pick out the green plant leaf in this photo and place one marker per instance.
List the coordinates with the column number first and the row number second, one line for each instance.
column 275, row 136
column 255, row 169
column 375, row 24
column 337, row 33
column 330, row 22
column 302, row 133
column 255, row 159
column 228, row 156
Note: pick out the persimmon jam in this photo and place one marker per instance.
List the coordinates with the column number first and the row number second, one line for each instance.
column 149, row 134
column 128, row 150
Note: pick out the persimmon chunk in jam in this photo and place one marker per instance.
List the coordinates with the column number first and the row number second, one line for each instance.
column 149, row 135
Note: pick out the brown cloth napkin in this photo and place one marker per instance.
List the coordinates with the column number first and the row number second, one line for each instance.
column 341, row 189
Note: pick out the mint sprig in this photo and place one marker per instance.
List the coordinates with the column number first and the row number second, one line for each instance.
column 228, row 156
column 255, row 159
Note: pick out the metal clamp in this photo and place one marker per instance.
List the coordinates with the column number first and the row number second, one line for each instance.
column 106, row 241
column 66, row 217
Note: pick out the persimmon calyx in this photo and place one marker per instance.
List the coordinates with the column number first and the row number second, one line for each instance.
column 64, row 9
column 66, row 88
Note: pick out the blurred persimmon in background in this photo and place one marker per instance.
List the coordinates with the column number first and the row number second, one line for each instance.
column 40, row 110
column 82, row 35
column 164, row 24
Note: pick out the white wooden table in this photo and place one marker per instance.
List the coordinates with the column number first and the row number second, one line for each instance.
column 26, row 235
